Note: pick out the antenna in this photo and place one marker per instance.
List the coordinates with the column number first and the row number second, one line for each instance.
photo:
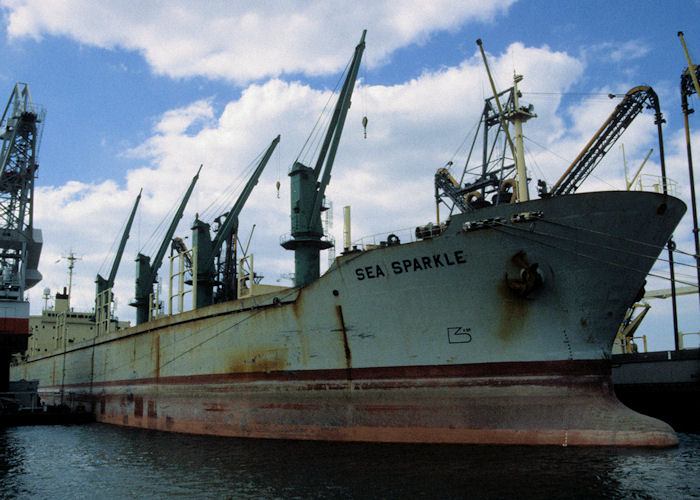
column 71, row 259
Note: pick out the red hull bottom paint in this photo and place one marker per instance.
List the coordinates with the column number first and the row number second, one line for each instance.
column 570, row 409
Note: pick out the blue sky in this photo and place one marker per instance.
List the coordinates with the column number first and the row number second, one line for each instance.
column 138, row 94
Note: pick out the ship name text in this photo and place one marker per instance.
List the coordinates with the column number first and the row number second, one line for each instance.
column 422, row 263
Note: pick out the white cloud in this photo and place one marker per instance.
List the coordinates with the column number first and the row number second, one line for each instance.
column 632, row 49
column 244, row 41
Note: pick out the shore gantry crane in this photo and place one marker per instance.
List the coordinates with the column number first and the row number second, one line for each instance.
column 20, row 242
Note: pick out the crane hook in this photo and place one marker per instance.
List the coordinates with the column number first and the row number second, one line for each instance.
column 364, row 124
column 278, row 189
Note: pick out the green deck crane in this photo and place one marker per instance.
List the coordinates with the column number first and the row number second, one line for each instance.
column 308, row 192
column 147, row 272
column 208, row 248
column 102, row 284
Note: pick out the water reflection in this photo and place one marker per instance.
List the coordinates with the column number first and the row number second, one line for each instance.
column 106, row 461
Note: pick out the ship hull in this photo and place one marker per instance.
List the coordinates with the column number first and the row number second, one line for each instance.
column 564, row 404
column 497, row 331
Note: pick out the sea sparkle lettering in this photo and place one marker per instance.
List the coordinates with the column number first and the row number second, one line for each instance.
column 415, row 264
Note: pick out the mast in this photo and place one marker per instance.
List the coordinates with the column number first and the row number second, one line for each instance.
column 506, row 182
column 518, row 117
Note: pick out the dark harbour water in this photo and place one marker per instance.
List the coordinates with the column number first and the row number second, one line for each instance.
column 102, row 461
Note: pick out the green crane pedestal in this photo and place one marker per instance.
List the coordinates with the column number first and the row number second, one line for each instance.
column 307, row 232
column 144, row 288
column 205, row 263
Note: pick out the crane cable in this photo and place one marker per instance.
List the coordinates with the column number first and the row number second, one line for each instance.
column 314, row 139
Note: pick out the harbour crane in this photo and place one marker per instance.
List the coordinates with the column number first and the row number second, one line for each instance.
column 690, row 85
column 308, row 187
column 625, row 112
column 208, row 249
column 20, row 242
column 147, row 272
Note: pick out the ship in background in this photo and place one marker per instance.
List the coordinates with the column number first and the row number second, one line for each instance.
column 492, row 326
column 59, row 323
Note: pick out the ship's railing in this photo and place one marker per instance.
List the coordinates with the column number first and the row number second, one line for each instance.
column 104, row 305
column 631, row 344
column 681, row 339
column 61, row 331
column 405, row 235
column 326, row 237
column 246, row 276
column 155, row 305
column 650, row 182
column 180, row 263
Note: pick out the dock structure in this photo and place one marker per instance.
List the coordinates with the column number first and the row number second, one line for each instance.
column 21, row 405
column 663, row 384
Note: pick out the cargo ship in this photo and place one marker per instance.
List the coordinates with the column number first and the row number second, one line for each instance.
column 494, row 326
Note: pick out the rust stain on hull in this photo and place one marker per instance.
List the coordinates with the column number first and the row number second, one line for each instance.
column 263, row 359
column 346, row 345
